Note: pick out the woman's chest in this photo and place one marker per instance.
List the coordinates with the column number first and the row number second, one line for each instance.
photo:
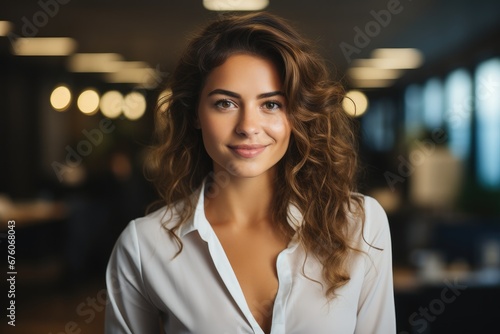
column 199, row 292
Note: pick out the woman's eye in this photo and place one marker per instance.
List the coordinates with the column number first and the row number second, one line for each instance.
column 224, row 104
column 270, row 105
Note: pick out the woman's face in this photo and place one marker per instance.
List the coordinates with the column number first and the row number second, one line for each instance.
column 242, row 116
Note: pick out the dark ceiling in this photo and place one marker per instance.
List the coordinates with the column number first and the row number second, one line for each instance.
column 156, row 30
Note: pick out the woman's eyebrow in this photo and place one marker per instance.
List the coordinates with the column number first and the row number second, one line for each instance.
column 270, row 94
column 224, row 92
column 236, row 95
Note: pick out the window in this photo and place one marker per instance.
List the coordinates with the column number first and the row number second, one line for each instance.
column 413, row 110
column 378, row 125
column 433, row 104
column 487, row 96
column 459, row 103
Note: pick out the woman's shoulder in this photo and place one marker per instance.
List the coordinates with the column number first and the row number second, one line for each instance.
column 376, row 227
column 153, row 220
column 373, row 210
column 149, row 229
column 373, row 221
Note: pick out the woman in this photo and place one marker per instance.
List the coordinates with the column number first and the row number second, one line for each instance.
column 260, row 230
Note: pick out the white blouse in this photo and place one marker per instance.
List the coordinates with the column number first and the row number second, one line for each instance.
column 198, row 292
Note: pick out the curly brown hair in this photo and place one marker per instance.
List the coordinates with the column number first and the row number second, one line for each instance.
column 317, row 173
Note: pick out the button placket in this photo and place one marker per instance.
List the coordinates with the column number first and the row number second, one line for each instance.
column 284, row 288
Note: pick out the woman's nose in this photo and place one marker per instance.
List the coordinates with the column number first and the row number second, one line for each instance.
column 248, row 123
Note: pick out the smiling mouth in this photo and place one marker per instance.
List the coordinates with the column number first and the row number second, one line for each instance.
column 247, row 151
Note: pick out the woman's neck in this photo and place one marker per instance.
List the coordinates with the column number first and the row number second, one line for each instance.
column 240, row 202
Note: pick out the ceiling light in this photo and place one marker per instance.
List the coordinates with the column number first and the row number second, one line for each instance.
column 403, row 58
column 131, row 64
column 235, row 5
column 95, row 62
column 5, row 28
column 388, row 63
column 374, row 83
column 371, row 73
column 44, row 46
column 142, row 76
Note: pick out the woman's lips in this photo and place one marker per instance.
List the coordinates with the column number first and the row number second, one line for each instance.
column 247, row 151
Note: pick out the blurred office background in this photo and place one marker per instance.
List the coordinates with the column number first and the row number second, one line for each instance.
column 78, row 84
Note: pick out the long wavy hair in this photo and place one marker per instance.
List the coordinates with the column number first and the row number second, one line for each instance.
column 316, row 174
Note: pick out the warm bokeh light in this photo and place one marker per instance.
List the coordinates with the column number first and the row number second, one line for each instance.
column 134, row 105
column 111, row 104
column 162, row 100
column 94, row 62
column 228, row 5
column 5, row 28
column 372, row 83
column 402, row 58
column 384, row 67
column 44, row 46
column 60, row 98
column 395, row 59
column 88, row 102
column 133, row 75
column 355, row 103
column 372, row 73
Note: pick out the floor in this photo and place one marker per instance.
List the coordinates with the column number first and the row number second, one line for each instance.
column 49, row 303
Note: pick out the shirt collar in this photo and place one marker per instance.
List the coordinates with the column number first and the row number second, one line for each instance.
column 295, row 217
column 193, row 223
column 199, row 221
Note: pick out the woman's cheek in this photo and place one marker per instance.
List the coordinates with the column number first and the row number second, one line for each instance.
column 279, row 125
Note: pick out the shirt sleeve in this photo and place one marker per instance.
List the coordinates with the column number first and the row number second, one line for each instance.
column 128, row 310
column 376, row 311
